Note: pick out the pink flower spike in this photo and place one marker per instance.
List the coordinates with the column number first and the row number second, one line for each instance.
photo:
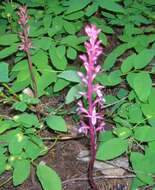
column 82, row 77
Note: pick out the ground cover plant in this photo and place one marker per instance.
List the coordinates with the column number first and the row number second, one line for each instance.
column 42, row 46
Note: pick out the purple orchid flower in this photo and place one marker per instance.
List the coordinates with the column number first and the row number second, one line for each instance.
column 94, row 119
column 26, row 43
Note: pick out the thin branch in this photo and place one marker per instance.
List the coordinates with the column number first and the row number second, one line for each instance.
column 97, row 178
column 5, row 182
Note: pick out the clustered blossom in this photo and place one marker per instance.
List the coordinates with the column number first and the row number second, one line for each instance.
column 94, row 50
column 23, row 20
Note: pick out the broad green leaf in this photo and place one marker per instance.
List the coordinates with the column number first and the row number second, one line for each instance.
column 57, row 25
column 103, row 38
column 42, row 43
column 143, row 58
column 142, row 85
column 56, row 123
column 60, row 84
column 111, row 149
column 77, row 5
column 110, row 99
column 6, row 125
column 47, row 20
column 33, row 150
column 73, row 94
column 20, row 85
column 3, row 160
column 70, row 75
column 8, row 39
column 57, row 55
column 111, row 6
column 142, row 167
column 122, row 132
column 21, row 171
column 40, row 60
column 91, row 9
column 27, row 120
column 105, row 136
column 4, row 72
column 117, row 52
column 149, row 111
column 48, row 77
column 8, row 51
column 144, row 133
column 48, row 178
column 128, row 63
column 122, row 93
column 21, row 65
column 109, row 80
column 71, row 53
column 135, row 114
column 20, row 106
column 74, row 16
column 69, row 27
column 130, row 79
column 17, row 143
column 28, row 99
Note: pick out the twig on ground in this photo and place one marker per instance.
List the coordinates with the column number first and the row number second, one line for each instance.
column 97, row 178
column 5, row 182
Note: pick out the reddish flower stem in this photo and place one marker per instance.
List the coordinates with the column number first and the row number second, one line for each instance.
column 92, row 132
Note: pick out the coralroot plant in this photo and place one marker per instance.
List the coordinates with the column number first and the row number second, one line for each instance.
column 93, row 121
column 26, row 44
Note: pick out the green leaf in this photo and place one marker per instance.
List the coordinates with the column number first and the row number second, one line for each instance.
column 17, row 143
column 73, row 94
column 135, row 114
column 8, row 39
column 56, row 123
column 33, row 150
column 109, row 80
column 70, row 75
column 91, row 9
column 71, row 53
column 42, row 43
column 128, row 63
column 60, row 84
column 57, row 25
column 123, row 132
column 69, row 27
column 117, row 52
column 20, row 106
column 6, row 125
column 8, row 51
column 105, row 136
column 21, row 171
column 77, row 5
column 144, row 133
column 111, row 149
column 48, row 77
column 28, row 99
column 74, row 16
column 142, row 166
column 40, row 59
column 27, row 120
column 103, row 38
column 47, row 20
column 3, row 160
column 57, row 55
column 143, row 58
column 110, row 99
column 48, row 178
column 142, row 85
column 111, row 6
column 4, row 72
